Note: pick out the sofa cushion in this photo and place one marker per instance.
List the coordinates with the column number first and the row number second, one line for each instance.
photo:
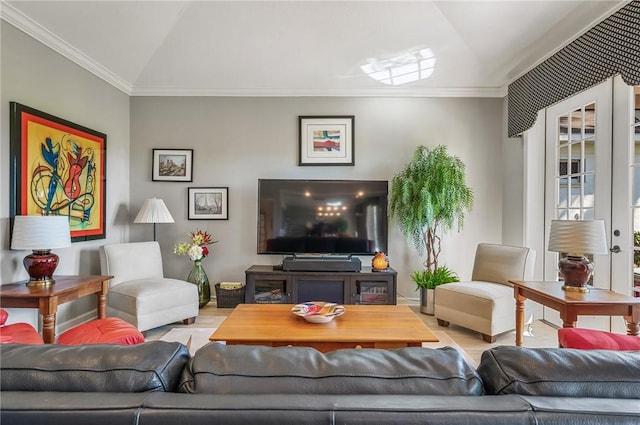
column 591, row 339
column 152, row 366
column 561, row 372
column 243, row 369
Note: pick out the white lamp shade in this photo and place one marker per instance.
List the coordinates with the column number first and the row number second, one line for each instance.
column 153, row 211
column 40, row 232
column 578, row 237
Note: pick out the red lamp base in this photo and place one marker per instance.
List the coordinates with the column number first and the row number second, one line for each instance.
column 40, row 265
column 576, row 272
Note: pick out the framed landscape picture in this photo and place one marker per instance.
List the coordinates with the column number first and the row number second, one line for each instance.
column 326, row 140
column 208, row 203
column 172, row 165
column 58, row 168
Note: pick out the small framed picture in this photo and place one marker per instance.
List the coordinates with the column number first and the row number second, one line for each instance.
column 326, row 140
column 172, row 165
column 208, row 203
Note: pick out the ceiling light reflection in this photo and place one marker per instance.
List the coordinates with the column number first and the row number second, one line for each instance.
column 411, row 66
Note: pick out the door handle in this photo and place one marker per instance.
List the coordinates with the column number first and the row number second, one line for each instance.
column 615, row 249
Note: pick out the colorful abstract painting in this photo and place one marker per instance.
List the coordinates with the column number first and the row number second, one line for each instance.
column 326, row 140
column 58, row 168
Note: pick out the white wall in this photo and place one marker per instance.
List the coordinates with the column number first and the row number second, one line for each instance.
column 236, row 141
column 36, row 76
column 512, row 186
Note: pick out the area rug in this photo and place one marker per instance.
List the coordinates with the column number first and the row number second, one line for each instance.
column 195, row 338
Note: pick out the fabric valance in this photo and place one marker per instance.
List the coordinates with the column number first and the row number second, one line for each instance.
column 611, row 47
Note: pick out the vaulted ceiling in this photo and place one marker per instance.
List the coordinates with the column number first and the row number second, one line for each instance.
column 303, row 48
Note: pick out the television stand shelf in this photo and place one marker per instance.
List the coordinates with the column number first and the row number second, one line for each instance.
column 266, row 284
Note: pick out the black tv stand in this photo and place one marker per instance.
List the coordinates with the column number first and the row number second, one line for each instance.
column 321, row 263
column 265, row 284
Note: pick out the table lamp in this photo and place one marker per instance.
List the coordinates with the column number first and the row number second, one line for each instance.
column 153, row 211
column 576, row 238
column 41, row 234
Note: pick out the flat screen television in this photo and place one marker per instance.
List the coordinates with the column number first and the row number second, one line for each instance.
column 337, row 217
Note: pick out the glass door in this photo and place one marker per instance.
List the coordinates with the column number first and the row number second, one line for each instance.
column 578, row 177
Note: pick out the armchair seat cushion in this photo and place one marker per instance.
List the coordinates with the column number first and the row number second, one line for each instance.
column 149, row 295
column 149, row 303
column 476, row 297
column 483, row 306
column 591, row 339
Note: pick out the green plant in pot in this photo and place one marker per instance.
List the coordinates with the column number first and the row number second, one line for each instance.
column 427, row 280
column 428, row 198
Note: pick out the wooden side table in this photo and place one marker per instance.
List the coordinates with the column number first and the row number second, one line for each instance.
column 597, row 302
column 47, row 298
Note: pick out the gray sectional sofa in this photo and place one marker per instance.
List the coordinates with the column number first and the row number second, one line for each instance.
column 160, row 383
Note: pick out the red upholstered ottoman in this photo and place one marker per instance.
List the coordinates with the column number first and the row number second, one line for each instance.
column 21, row 333
column 590, row 339
column 110, row 330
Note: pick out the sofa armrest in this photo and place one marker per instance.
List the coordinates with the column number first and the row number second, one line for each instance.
column 561, row 372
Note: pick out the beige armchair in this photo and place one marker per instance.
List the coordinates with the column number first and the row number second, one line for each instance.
column 486, row 303
column 139, row 293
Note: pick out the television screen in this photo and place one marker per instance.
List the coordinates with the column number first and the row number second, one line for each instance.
column 322, row 216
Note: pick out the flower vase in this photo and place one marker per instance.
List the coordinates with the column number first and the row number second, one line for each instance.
column 198, row 277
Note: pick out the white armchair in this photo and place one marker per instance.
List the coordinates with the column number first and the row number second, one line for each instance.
column 139, row 293
column 486, row 304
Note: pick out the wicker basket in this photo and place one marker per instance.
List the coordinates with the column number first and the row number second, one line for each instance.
column 228, row 298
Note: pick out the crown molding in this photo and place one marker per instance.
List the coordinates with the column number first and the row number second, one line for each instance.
column 369, row 92
column 27, row 25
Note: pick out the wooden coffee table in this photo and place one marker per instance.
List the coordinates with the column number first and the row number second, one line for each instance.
column 361, row 326
column 597, row 302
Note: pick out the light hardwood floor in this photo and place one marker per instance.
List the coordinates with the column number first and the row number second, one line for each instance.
column 542, row 335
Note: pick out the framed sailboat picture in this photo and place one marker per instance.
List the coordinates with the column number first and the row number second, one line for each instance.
column 208, row 203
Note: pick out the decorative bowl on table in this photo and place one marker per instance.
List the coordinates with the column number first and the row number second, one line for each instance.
column 318, row 311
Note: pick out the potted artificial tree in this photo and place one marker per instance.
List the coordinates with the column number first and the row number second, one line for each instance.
column 428, row 197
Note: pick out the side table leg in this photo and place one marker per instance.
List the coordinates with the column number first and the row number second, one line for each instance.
column 102, row 299
column 48, row 328
column 48, row 309
column 102, row 306
column 519, row 320
column 633, row 328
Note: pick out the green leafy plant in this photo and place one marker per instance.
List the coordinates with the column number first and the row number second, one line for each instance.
column 428, row 196
column 427, row 279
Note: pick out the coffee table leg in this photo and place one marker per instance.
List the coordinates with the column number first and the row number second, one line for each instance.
column 519, row 319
